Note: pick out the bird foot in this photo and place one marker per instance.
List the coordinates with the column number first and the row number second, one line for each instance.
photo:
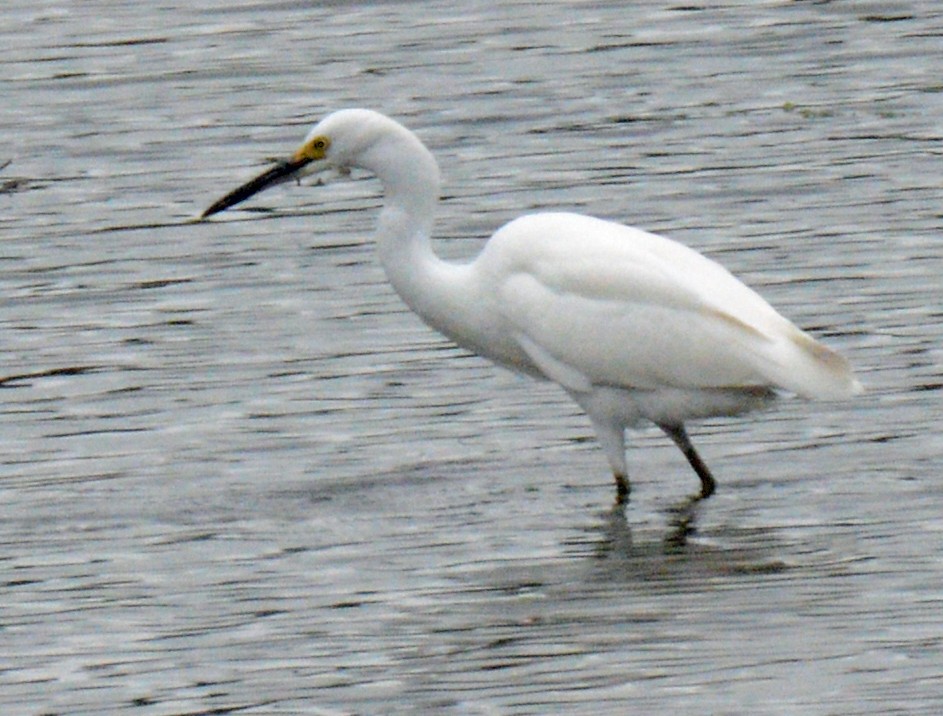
column 708, row 485
column 622, row 490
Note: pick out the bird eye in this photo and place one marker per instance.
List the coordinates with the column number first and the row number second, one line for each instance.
column 315, row 149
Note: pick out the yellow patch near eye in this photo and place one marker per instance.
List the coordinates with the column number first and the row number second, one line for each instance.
column 315, row 149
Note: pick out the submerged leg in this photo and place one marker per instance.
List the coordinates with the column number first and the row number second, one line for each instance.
column 622, row 488
column 680, row 437
column 611, row 436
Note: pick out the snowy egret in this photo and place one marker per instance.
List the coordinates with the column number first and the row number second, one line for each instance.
column 633, row 326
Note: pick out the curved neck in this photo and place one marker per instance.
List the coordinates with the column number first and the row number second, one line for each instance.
column 436, row 290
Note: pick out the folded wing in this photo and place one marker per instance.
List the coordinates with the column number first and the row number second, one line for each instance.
column 596, row 303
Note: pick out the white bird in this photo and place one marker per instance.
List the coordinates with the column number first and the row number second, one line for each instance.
column 633, row 326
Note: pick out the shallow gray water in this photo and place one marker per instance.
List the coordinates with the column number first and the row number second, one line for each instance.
column 239, row 477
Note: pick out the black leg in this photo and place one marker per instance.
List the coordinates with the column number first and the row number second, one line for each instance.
column 680, row 437
column 622, row 489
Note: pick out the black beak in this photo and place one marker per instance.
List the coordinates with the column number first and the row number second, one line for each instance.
column 277, row 174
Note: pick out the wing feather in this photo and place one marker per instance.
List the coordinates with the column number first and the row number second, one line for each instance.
column 603, row 304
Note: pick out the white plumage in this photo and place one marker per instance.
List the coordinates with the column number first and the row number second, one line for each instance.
column 632, row 325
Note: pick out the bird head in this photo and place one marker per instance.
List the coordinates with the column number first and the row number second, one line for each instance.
column 340, row 141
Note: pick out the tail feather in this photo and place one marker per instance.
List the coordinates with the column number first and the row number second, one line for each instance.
column 813, row 370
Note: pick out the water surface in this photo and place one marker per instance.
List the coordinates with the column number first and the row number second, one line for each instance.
column 239, row 476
